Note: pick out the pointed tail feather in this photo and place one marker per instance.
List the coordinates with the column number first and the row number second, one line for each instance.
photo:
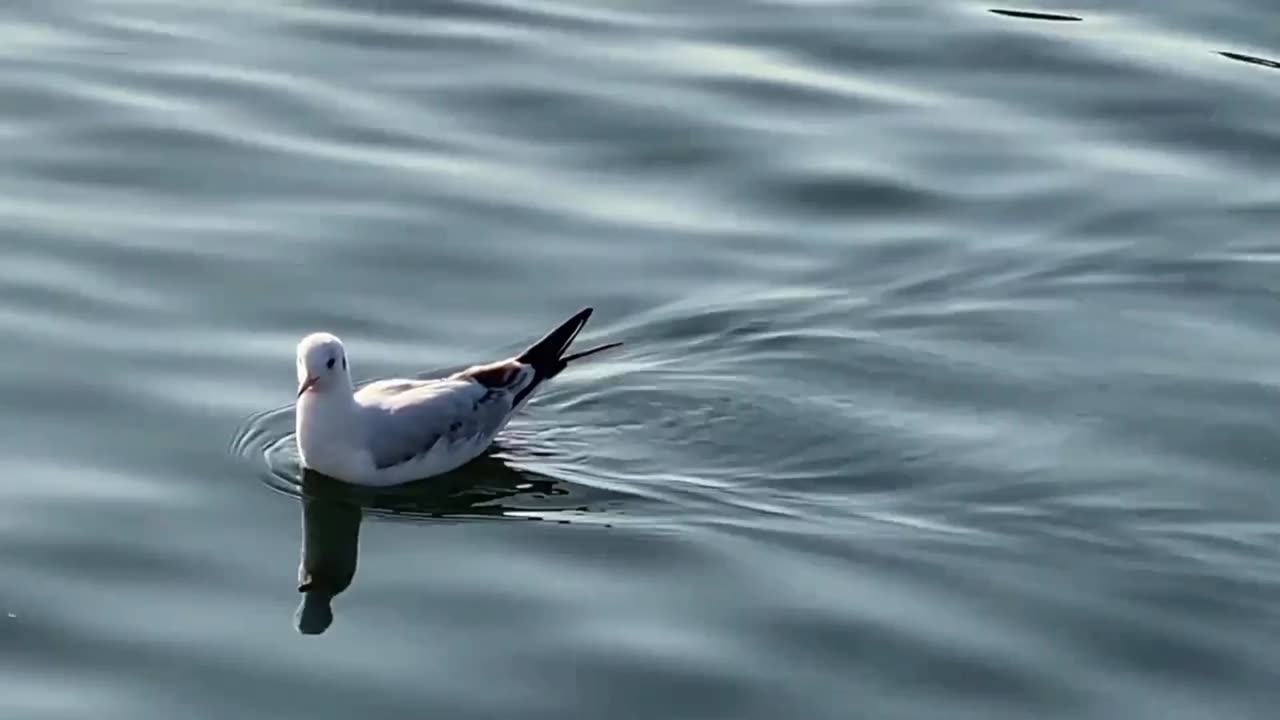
column 589, row 351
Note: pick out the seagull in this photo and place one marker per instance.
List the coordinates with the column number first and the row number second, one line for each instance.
column 400, row 430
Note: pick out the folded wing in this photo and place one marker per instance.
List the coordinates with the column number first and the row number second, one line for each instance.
column 407, row 421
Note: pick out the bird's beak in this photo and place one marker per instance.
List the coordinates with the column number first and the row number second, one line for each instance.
column 306, row 385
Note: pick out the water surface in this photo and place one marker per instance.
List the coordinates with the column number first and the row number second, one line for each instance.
column 949, row 388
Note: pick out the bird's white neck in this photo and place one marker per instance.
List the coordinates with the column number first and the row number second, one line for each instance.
column 327, row 428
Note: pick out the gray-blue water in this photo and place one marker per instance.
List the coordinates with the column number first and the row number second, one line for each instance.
column 951, row 386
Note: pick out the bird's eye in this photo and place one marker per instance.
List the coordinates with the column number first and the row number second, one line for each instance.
column 329, row 364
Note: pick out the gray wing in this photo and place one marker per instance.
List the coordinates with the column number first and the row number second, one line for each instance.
column 406, row 419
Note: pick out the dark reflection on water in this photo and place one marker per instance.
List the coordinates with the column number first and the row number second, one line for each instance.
column 1251, row 59
column 330, row 550
column 1029, row 15
column 332, row 512
column 475, row 490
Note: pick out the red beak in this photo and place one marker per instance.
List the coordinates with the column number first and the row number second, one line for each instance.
column 306, row 385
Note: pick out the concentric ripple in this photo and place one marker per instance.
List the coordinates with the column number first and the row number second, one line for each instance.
column 492, row 486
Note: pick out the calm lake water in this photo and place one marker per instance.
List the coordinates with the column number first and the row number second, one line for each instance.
column 951, row 386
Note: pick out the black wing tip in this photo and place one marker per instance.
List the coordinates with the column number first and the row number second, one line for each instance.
column 548, row 356
column 579, row 318
column 553, row 345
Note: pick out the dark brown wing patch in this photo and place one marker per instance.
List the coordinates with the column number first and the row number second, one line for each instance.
column 493, row 376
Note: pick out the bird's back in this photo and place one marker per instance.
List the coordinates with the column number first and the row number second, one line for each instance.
column 409, row 394
column 423, row 427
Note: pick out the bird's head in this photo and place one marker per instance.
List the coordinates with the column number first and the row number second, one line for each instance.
column 322, row 364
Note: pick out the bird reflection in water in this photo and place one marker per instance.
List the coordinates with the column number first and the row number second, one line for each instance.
column 333, row 510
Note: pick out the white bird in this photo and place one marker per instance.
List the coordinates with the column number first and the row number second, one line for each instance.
column 396, row 431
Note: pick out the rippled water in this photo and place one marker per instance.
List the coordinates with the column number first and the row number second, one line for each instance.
column 950, row 387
